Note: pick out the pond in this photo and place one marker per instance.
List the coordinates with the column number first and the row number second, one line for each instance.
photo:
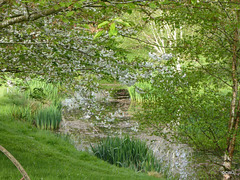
column 90, row 117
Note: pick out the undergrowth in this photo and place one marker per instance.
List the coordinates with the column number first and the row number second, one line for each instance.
column 126, row 152
column 36, row 101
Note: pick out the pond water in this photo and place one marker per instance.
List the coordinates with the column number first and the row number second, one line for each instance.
column 86, row 120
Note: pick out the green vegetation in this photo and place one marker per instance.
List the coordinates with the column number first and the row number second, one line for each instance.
column 142, row 92
column 38, row 103
column 111, row 85
column 126, row 152
column 16, row 105
column 41, row 90
column 49, row 118
column 45, row 155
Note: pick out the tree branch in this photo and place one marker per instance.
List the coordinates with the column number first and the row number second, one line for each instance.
column 213, row 74
column 15, row 162
column 33, row 16
column 3, row 2
column 24, row 43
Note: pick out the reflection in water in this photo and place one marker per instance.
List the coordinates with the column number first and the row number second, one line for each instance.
column 89, row 119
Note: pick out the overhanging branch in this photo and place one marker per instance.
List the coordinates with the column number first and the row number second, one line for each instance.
column 24, row 43
column 33, row 16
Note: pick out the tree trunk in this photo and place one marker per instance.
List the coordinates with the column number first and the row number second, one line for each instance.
column 235, row 111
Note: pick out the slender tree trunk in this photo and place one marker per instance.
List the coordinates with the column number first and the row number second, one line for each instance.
column 235, row 111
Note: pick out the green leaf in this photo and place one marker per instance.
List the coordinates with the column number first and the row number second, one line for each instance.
column 78, row 4
column 113, row 30
column 152, row 5
column 238, row 25
column 24, row 48
column 56, row 7
column 194, row 2
column 86, row 26
column 98, row 34
column 68, row 3
column 129, row 11
column 103, row 24
column 113, row 27
column 70, row 13
column 131, row 6
column 120, row 21
column 62, row 4
column 65, row 20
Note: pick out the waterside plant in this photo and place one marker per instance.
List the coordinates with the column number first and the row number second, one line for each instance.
column 48, row 118
column 126, row 152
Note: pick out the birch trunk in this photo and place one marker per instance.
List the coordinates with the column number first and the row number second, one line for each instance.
column 234, row 113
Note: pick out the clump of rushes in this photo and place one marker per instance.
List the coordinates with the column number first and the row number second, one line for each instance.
column 126, row 152
column 49, row 118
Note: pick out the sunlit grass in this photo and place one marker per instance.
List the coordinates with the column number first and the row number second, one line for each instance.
column 46, row 156
column 142, row 92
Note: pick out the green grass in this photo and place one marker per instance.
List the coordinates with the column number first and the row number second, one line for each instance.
column 111, row 85
column 44, row 155
column 16, row 104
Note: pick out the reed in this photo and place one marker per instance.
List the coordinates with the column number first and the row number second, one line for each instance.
column 21, row 113
column 48, row 118
column 126, row 152
column 16, row 104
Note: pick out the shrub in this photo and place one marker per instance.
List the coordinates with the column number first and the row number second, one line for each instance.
column 38, row 94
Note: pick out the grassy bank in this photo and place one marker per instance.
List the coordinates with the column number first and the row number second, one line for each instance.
column 44, row 155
